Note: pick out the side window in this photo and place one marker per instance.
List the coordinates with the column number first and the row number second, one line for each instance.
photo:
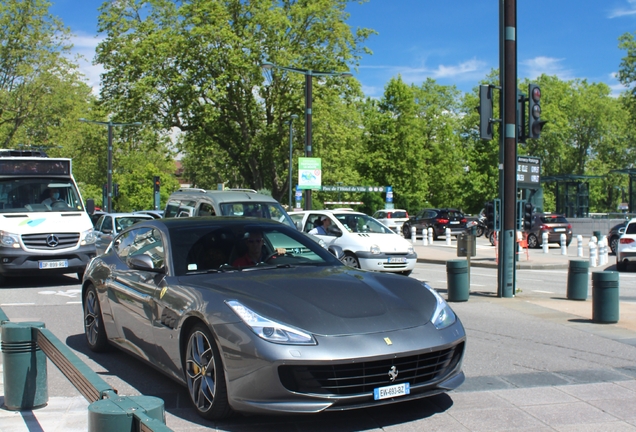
column 107, row 224
column 312, row 222
column 631, row 228
column 171, row 209
column 206, row 209
column 122, row 243
column 148, row 242
column 100, row 221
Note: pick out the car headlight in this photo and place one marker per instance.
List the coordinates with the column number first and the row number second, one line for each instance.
column 10, row 240
column 270, row 330
column 443, row 315
column 375, row 249
column 88, row 237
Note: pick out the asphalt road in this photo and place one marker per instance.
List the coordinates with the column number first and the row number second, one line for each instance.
column 512, row 344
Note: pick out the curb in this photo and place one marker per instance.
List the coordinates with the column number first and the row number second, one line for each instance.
column 493, row 264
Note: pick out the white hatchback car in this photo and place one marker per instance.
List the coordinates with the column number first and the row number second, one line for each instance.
column 626, row 247
column 393, row 218
column 366, row 243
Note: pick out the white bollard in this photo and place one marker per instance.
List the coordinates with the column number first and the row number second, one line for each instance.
column 579, row 245
column 544, row 242
column 413, row 231
column 592, row 246
column 564, row 246
column 430, row 235
column 448, row 236
column 601, row 252
column 424, row 237
column 606, row 249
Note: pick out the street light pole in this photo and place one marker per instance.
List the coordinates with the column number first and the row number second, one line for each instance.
column 109, row 174
column 308, row 98
column 291, row 148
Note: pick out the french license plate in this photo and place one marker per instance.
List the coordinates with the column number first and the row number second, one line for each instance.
column 559, row 229
column 391, row 391
column 397, row 260
column 454, row 222
column 53, row 264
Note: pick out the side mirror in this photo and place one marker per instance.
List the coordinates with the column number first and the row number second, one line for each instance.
column 142, row 262
column 90, row 206
column 334, row 230
column 336, row 251
column 299, row 225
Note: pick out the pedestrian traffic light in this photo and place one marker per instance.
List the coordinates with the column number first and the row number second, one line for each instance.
column 535, row 124
column 485, row 112
column 490, row 215
column 528, row 209
column 157, row 183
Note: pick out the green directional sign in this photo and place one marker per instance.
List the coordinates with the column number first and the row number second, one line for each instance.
column 353, row 188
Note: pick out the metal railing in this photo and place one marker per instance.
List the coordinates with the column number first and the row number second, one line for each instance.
column 24, row 387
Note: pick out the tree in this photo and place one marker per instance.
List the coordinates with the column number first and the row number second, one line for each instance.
column 195, row 66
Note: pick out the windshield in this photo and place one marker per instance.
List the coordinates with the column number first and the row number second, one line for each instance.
column 211, row 248
column 19, row 195
column 272, row 211
column 362, row 223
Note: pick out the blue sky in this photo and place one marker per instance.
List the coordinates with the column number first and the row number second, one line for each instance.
column 454, row 42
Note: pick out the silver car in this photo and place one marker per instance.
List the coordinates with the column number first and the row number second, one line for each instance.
column 297, row 332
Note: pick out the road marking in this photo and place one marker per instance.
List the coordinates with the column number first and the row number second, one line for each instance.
column 17, row 304
column 67, row 293
column 74, row 302
column 544, row 292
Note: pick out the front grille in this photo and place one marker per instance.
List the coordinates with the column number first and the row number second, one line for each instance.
column 362, row 377
column 39, row 241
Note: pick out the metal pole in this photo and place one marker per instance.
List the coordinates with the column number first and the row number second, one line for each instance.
column 308, row 152
column 291, row 147
column 109, row 185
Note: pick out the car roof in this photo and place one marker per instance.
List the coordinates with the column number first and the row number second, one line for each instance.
column 326, row 212
column 196, row 221
column 226, row 195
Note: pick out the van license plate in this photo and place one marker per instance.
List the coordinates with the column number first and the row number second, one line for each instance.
column 53, row 264
column 391, row 391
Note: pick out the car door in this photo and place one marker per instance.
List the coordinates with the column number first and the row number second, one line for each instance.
column 133, row 291
column 104, row 233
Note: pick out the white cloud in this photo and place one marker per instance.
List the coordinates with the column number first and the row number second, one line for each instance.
column 84, row 45
column 624, row 11
column 534, row 67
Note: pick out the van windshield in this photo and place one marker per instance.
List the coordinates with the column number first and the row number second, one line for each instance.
column 19, row 195
column 266, row 210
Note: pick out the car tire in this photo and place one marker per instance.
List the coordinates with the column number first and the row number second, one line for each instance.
column 406, row 231
column 621, row 266
column 533, row 241
column 406, row 272
column 613, row 243
column 351, row 260
column 204, row 374
column 93, row 322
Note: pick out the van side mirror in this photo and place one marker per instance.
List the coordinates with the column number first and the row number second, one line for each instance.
column 90, row 206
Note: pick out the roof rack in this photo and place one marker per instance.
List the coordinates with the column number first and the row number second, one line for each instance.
column 241, row 190
column 186, row 189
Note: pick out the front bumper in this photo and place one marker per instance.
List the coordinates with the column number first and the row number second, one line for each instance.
column 17, row 262
column 260, row 381
column 382, row 262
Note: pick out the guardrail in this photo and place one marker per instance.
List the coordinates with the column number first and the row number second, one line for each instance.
column 25, row 347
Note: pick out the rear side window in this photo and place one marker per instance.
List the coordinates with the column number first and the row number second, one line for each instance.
column 399, row 214
column 554, row 219
column 631, row 228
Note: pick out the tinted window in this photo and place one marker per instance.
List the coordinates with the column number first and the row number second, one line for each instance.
column 399, row 214
column 631, row 228
column 554, row 219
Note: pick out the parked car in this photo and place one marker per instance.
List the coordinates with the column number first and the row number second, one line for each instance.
column 111, row 224
column 367, row 244
column 157, row 214
column 437, row 218
column 626, row 248
column 614, row 234
column 393, row 218
column 188, row 202
column 300, row 328
column 553, row 224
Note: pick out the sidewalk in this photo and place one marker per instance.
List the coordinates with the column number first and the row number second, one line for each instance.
column 439, row 252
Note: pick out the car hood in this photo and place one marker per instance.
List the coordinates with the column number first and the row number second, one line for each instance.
column 328, row 301
column 387, row 242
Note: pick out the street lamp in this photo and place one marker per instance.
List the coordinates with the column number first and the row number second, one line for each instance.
column 291, row 139
column 308, row 74
column 109, row 182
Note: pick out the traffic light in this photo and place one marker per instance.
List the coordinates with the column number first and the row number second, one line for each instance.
column 490, row 215
column 485, row 112
column 528, row 209
column 116, row 189
column 157, row 183
column 535, row 124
